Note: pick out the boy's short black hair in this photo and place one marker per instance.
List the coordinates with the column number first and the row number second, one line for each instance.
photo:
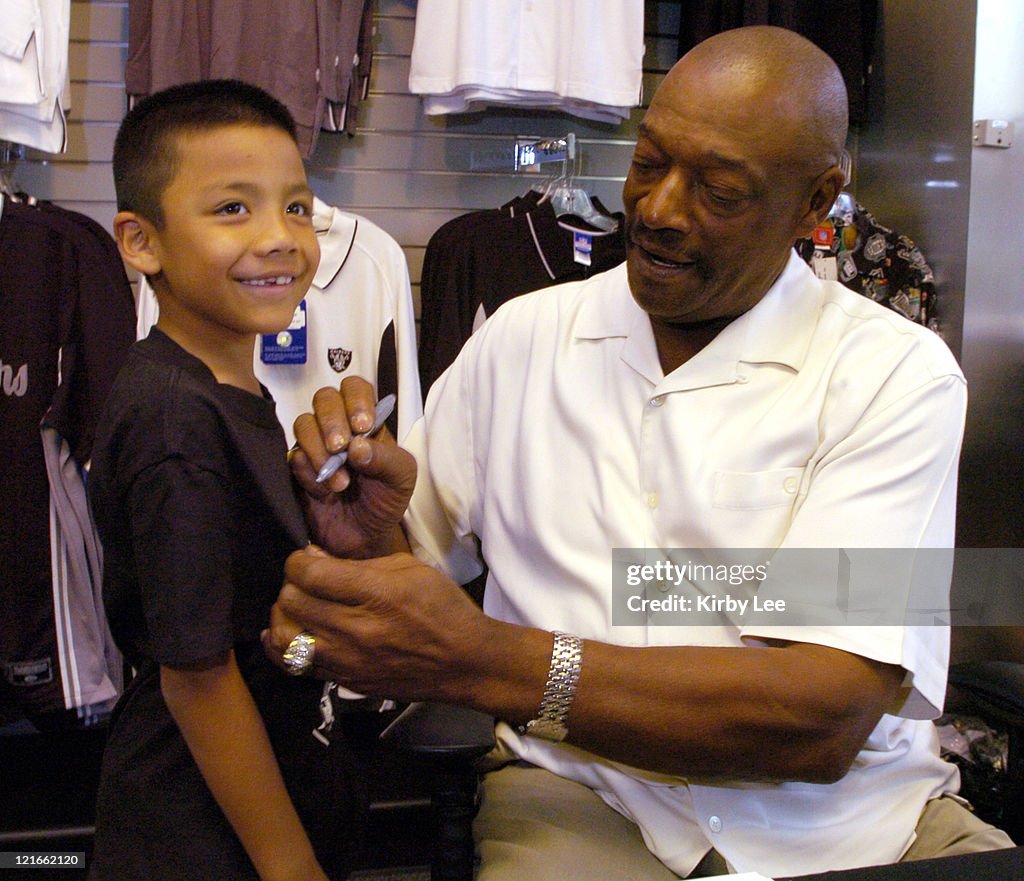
column 145, row 154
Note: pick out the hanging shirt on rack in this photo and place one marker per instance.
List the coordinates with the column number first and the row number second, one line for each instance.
column 352, row 38
column 34, row 84
column 581, row 56
column 480, row 260
column 313, row 57
column 852, row 247
column 66, row 323
column 845, row 29
column 357, row 318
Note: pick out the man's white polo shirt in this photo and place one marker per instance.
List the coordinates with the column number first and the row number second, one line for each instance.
column 816, row 420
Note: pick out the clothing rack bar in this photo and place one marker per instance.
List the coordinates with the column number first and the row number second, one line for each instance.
column 10, row 151
column 524, row 153
column 551, row 150
column 48, row 833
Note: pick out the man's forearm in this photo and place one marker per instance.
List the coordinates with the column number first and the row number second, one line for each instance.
column 798, row 712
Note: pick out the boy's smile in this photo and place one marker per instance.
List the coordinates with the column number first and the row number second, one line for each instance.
column 236, row 248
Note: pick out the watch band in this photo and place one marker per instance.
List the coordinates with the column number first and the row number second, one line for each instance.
column 559, row 691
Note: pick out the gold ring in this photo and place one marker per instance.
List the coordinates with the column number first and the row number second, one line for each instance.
column 298, row 657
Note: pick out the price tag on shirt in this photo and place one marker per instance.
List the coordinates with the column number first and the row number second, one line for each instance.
column 582, row 246
column 825, row 267
column 286, row 346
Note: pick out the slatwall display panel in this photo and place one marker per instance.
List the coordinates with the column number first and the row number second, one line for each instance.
column 407, row 172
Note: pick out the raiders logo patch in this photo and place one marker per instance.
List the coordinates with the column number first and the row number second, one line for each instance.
column 339, row 359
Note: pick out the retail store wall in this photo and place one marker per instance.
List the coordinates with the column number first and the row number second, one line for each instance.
column 405, row 171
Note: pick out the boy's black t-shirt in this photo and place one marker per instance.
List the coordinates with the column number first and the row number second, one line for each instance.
column 192, row 496
column 194, row 502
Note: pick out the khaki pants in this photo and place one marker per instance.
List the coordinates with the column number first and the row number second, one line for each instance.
column 534, row 824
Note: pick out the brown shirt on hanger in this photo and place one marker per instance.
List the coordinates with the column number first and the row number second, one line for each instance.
column 304, row 54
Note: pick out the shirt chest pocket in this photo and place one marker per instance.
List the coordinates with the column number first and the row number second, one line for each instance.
column 756, row 490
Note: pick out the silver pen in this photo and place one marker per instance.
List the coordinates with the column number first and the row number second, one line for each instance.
column 384, row 408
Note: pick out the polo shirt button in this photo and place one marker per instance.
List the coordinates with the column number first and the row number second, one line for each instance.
column 664, row 586
column 790, row 485
column 657, row 400
column 652, row 500
column 715, row 824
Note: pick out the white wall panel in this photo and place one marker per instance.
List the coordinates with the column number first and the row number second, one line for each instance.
column 992, row 466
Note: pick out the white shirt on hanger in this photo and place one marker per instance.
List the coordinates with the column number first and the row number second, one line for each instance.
column 34, row 73
column 582, row 56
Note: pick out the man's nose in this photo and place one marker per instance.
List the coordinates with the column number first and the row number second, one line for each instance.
column 667, row 204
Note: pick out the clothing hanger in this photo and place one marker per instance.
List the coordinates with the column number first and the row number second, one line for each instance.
column 845, row 206
column 570, row 200
column 8, row 153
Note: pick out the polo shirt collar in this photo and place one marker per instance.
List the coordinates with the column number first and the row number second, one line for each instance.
column 777, row 330
column 335, row 232
column 610, row 311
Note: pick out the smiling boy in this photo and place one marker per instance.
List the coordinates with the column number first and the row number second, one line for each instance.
column 212, row 768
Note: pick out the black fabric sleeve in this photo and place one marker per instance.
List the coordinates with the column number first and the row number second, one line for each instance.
column 180, row 530
column 387, row 373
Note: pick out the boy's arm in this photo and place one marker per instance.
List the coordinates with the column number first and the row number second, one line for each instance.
column 224, row 731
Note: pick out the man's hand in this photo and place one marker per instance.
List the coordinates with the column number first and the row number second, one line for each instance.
column 357, row 511
column 390, row 627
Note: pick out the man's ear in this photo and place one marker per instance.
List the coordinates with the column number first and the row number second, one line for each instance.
column 827, row 188
column 136, row 239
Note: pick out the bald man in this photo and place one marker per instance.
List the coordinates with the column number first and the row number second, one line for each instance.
column 711, row 393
